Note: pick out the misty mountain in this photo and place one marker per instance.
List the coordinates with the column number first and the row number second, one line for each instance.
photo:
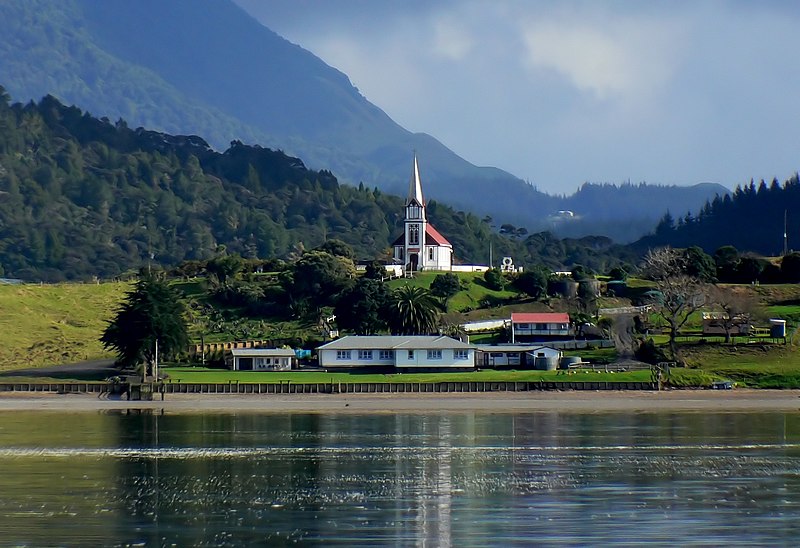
column 208, row 68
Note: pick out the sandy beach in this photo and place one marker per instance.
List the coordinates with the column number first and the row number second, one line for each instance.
column 576, row 401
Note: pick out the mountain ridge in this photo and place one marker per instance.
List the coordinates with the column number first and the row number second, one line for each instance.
column 219, row 73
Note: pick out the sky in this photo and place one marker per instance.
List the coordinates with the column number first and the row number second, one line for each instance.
column 567, row 92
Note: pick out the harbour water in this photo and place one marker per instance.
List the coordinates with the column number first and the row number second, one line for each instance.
column 468, row 479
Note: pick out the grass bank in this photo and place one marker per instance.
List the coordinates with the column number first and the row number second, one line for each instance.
column 54, row 324
column 753, row 366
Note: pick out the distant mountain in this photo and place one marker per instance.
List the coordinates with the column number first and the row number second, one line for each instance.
column 210, row 69
column 625, row 212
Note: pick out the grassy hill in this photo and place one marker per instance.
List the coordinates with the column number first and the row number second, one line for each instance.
column 53, row 324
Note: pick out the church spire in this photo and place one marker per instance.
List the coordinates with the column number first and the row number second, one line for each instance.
column 415, row 185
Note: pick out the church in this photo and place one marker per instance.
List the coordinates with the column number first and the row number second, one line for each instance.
column 421, row 246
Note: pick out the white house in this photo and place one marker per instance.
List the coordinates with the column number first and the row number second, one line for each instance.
column 263, row 359
column 421, row 246
column 403, row 352
column 533, row 326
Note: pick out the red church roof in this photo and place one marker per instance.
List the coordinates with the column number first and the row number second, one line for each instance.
column 539, row 317
column 432, row 237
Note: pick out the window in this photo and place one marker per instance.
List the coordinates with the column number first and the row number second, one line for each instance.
column 413, row 211
column 410, row 354
column 461, row 354
column 430, row 253
column 413, row 235
column 342, row 354
column 365, row 354
column 387, row 355
column 541, row 326
column 434, row 354
column 522, row 326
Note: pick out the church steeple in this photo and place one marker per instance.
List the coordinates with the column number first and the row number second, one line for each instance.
column 415, row 203
column 415, row 185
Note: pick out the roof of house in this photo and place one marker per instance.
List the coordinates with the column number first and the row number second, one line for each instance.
column 394, row 342
column 264, row 352
column 539, row 317
column 432, row 237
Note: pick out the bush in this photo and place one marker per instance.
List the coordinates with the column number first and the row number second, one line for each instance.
column 648, row 352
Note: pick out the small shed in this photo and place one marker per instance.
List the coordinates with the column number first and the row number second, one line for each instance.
column 513, row 355
column 263, row 359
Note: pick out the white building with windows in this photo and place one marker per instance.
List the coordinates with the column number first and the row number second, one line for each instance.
column 403, row 352
column 263, row 359
column 421, row 246
column 540, row 326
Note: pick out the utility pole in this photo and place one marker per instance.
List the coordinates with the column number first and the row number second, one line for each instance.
column 155, row 363
column 785, row 233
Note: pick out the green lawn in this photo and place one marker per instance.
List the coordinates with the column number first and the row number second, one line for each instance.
column 470, row 298
column 201, row 375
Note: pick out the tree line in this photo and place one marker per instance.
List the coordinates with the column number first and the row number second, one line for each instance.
column 83, row 197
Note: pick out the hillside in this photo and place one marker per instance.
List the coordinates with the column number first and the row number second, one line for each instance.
column 626, row 212
column 217, row 72
column 82, row 197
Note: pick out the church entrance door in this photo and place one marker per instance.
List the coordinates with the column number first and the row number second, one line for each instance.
column 413, row 262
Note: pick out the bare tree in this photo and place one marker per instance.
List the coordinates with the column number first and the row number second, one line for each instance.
column 681, row 293
column 737, row 307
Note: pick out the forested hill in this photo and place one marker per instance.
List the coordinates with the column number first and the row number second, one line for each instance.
column 208, row 68
column 751, row 219
column 82, row 197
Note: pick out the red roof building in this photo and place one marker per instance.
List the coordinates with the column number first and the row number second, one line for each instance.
column 540, row 326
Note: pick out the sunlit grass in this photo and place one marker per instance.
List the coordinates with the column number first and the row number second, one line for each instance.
column 53, row 324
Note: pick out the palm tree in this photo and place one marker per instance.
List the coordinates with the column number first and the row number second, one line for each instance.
column 412, row 311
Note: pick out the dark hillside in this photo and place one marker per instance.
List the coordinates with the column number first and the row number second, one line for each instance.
column 751, row 219
column 82, row 197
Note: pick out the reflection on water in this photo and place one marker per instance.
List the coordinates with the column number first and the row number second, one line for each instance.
column 435, row 480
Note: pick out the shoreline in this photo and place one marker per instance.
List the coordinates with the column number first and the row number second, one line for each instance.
column 741, row 400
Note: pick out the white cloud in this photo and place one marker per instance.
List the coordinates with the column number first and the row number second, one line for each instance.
column 451, row 39
column 626, row 59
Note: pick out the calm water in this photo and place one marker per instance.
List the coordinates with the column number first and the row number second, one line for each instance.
column 466, row 479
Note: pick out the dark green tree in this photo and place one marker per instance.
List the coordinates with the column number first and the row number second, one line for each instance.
column 618, row 273
column 494, row 279
column 375, row 271
column 700, row 264
column 533, row 282
column 315, row 279
column 361, row 308
column 445, row 286
column 151, row 312
column 790, row 268
column 225, row 268
column 412, row 311
column 337, row 248
column 726, row 259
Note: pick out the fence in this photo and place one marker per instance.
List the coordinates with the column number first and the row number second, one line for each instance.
column 333, row 388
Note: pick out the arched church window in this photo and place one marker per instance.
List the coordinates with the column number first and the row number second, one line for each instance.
column 413, row 211
column 413, row 235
